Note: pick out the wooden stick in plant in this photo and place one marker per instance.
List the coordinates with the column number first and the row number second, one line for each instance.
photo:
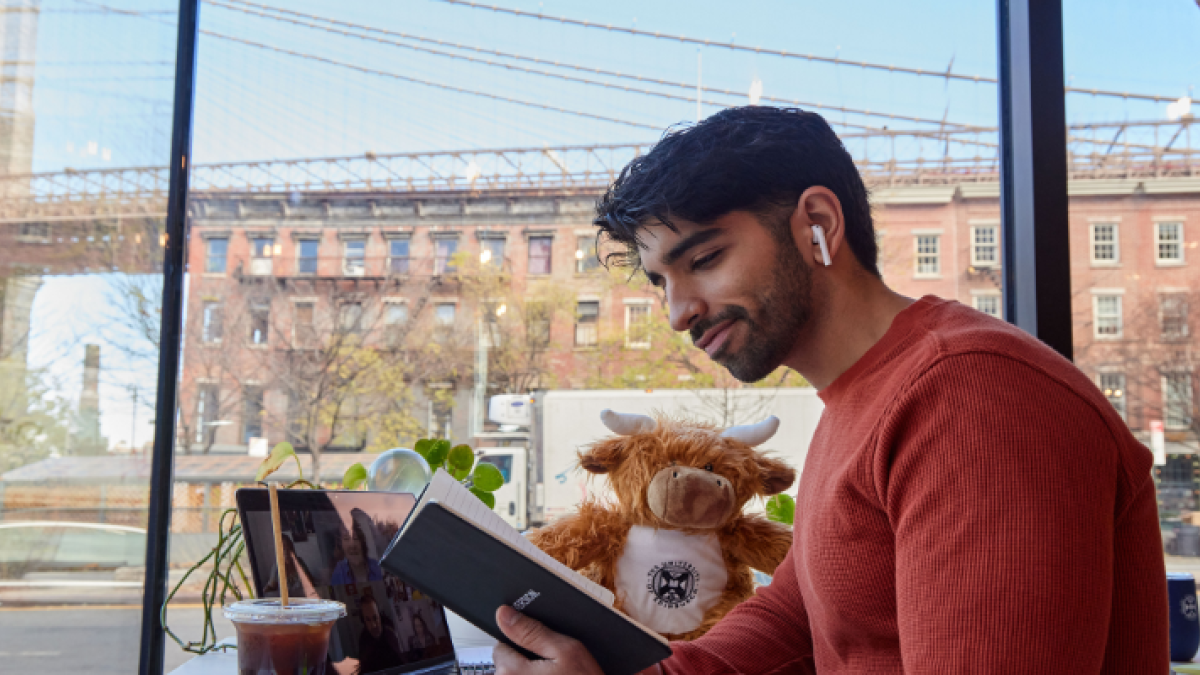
column 279, row 555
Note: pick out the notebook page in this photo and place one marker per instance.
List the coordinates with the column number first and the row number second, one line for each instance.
column 457, row 498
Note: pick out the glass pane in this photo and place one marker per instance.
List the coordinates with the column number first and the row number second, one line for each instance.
column 86, row 96
column 1135, row 222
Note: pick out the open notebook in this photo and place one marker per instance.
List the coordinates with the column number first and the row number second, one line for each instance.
column 466, row 557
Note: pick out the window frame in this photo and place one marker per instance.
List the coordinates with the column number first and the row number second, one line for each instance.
column 974, row 232
column 404, row 260
column 303, row 260
column 1189, row 405
column 548, row 258
column 917, row 254
column 354, row 266
column 1180, row 243
column 209, row 258
column 1118, row 295
column 209, row 310
column 989, row 296
column 581, row 323
column 1093, row 243
column 639, row 303
column 1115, row 390
column 444, row 264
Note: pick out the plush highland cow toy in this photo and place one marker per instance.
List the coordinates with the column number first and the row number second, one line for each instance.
column 676, row 548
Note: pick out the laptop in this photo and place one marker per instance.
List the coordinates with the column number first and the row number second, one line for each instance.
column 333, row 542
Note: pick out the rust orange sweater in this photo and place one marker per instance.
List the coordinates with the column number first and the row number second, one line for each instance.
column 971, row 503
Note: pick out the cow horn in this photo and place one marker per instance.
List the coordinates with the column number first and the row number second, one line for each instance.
column 627, row 424
column 753, row 434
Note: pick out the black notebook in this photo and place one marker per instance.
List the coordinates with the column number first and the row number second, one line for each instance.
column 466, row 557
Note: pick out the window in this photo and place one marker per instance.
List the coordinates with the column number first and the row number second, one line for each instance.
column 1105, row 245
column 260, row 319
column 928, row 259
column 1173, row 316
column 354, row 257
column 398, row 256
column 207, row 413
column 1113, row 386
column 350, row 317
column 261, row 249
column 492, row 337
column 306, row 256
column 1168, row 239
column 303, row 330
column 252, row 414
column 984, row 247
column 215, row 255
column 539, row 254
column 443, row 321
column 537, row 326
column 587, row 317
column 637, row 325
column 395, row 316
column 492, row 252
column 444, row 250
column 585, row 254
column 1177, row 401
column 1107, row 318
column 34, row 233
column 441, row 416
column 988, row 304
column 297, row 420
column 213, row 322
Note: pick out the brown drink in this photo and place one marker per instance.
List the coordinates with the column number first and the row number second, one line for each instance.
column 276, row 640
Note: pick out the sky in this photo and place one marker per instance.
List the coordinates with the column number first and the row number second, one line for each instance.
column 104, row 85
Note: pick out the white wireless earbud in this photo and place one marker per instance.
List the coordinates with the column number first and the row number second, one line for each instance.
column 819, row 240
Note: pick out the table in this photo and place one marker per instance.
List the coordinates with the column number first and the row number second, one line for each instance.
column 470, row 643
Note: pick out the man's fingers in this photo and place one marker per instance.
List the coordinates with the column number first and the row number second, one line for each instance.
column 508, row 661
column 530, row 633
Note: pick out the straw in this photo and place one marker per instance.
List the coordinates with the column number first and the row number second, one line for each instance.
column 279, row 557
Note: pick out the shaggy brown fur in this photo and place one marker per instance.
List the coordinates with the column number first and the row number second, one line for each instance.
column 593, row 539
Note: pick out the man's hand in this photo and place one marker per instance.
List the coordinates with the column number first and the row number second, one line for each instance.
column 563, row 654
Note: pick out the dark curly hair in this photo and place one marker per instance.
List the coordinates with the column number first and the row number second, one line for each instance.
column 758, row 159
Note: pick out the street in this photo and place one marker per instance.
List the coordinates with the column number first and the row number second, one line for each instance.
column 97, row 639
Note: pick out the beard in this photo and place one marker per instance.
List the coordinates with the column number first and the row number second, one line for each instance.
column 782, row 309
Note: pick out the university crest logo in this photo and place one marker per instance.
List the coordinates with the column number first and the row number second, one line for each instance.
column 673, row 583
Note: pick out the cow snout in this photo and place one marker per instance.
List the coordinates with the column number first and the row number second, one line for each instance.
column 684, row 496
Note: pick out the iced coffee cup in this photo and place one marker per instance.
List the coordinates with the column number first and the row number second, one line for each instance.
column 277, row 640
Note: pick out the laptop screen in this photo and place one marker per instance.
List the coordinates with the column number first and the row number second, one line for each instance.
column 333, row 542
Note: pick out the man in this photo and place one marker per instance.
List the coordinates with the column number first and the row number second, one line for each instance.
column 970, row 502
column 377, row 649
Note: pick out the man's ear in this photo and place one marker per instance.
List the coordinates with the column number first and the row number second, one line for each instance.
column 603, row 456
column 774, row 475
column 818, row 205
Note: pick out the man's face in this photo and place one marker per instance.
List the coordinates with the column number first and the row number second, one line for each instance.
column 370, row 616
column 742, row 295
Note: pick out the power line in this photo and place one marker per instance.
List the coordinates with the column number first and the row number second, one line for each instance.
column 947, row 74
column 558, row 64
column 447, row 87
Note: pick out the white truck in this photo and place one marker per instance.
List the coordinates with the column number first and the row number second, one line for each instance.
column 546, row 429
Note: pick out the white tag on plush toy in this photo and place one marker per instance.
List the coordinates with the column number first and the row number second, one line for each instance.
column 669, row 579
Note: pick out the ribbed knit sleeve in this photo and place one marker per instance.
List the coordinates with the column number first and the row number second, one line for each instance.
column 1002, row 507
column 767, row 634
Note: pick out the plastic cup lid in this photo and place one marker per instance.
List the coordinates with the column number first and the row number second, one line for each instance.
column 299, row 610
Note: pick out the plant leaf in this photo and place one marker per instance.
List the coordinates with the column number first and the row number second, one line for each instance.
column 438, row 453
column 423, row 446
column 459, row 474
column 461, row 457
column 782, row 509
column 355, row 477
column 485, row 497
column 487, row 477
column 279, row 455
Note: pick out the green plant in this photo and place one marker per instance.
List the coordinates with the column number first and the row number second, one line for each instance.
column 481, row 478
column 782, row 509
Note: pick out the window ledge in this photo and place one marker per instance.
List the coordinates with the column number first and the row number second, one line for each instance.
column 1106, row 264
column 1108, row 338
column 214, row 275
column 926, row 277
column 1170, row 263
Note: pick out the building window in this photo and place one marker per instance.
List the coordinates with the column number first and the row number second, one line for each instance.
column 984, row 247
column 587, row 321
column 207, row 413
column 261, row 249
column 1107, row 317
column 444, row 250
column 302, row 325
column 1105, row 246
column 537, row 324
column 637, row 325
column 297, row 420
column 492, row 252
column 1168, row 239
column 306, row 256
column 539, row 254
column 1177, row 401
column 354, row 260
column 441, row 417
column 395, row 316
column 34, row 233
column 988, row 304
column 585, row 255
column 443, row 321
column 213, row 322
column 215, row 256
column 492, row 337
column 398, row 256
column 1173, row 316
column 350, row 316
column 260, row 320
column 252, row 420
column 1113, row 386
column 928, row 257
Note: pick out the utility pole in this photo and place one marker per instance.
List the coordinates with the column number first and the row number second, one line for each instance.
column 700, row 76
